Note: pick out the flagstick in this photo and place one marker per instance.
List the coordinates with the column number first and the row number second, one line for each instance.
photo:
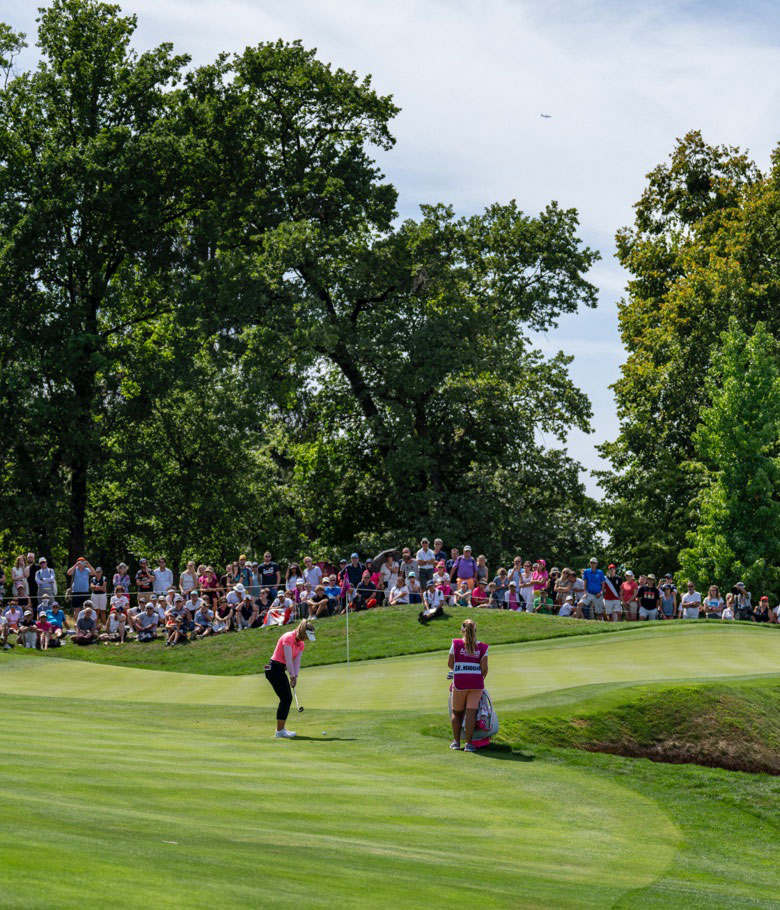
column 348, row 606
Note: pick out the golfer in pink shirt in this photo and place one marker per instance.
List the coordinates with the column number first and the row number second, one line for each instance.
column 287, row 660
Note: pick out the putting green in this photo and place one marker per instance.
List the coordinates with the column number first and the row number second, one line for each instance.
column 418, row 682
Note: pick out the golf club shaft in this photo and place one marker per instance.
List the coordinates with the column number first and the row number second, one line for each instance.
column 295, row 695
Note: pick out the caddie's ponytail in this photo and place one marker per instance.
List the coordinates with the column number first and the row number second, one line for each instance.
column 469, row 629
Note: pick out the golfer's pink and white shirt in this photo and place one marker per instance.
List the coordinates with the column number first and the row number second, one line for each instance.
column 467, row 670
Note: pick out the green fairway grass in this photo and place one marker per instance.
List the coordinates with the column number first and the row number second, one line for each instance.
column 147, row 789
column 385, row 632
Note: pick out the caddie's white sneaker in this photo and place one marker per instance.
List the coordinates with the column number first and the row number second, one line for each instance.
column 284, row 734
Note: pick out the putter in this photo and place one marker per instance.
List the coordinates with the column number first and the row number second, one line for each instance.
column 295, row 695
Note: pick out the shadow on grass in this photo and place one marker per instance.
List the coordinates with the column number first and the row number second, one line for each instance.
column 505, row 752
column 327, row 739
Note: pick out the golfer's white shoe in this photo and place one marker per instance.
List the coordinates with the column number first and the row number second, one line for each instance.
column 284, row 734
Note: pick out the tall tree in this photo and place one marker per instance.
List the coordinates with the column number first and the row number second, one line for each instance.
column 737, row 440
column 680, row 254
column 92, row 195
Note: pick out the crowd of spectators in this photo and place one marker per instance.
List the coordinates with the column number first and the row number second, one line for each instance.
column 151, row 603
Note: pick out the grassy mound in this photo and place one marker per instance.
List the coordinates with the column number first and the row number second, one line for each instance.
column 386, row 632
column 726, row 725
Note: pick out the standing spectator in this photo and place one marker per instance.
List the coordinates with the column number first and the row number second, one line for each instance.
column 311, row 572
column 483, row 573
column 45, row 580
column 79, row 573
column 292, row 576
column 355, row 570
column 188, row 579
column 388, row 576
column 761, row 612
column 690, row 603
column 552, row 592
column 121, row 577
column 163, row 578
column 97, row 593
column 439, row 553
column 426, row 563
column 115, row 627
column 407, row 564
column 525, row 587
column 144, row 581
column 241, row 572
column 208, row 584
column 86, row 626
column 464, row 568
column 628, row 596
column 271, row 575
column 540, row 577
column 501, row 582
column 613, row 605
column 713, row 603
column 668, row 603
column 594, row 580
column 454, row 556
column 743, row 601
column 648, row 597
column 20, row 579
column 254, row 585
column 32, row 584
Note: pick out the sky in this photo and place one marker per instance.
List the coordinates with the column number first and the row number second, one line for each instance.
column 620, row 81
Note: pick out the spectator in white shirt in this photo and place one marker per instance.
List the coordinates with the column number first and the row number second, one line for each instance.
column 388, row 575
column 690, row 602
column 311, row 573
column 426, row 563
column 399, row 593
column 163, row 577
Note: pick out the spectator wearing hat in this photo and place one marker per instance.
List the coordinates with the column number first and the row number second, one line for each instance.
column 415, row 594
column 613, row 605
column 479, row 595
column 245, row 611
column 464, row 568
column 513, row 599
column 204, row 620
column 56, row 618
column 355, row 570
column 242, row 572
column 668, row 603
column 45, row 580
column 762, row 612
column 567, row 607
column 27, row 634
column 743, row 601
column 628, row 596
column 648, row 597
column 79, row 573
column 433, row 604
column 144, row 581
column 163, row 577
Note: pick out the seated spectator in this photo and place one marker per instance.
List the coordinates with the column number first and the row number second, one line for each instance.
column 446, row 590
column 399, row 593
column 415, row 594
column 4, row 632
column 246, row 615
column 56, row 618
column 27, row 634
column 333, row 593
column 567, row 607
column 115, row 627
column 194, row 601
column 264, row 600
column 119, row 599
column 43, row 627
column 13, row 615
column 177, row 634
column 513, row 600
column 365, row 594
column 433, row 601
column 224, row 617
column 131, row 615
column 147, row 623
column 463, row 594
column 318, row 602
column 479, row 596
column 441, row 576
column 281, row 610
column 86, row 626
column 543, row 603
column 494, row 602
column 203, row 621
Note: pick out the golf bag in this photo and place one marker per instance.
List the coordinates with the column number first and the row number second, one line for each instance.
column 487, row 720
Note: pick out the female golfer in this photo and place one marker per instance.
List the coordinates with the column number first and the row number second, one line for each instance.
column 468, row 660
column 287, row 656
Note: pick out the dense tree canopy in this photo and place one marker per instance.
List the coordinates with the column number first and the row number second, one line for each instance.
column 218, row 336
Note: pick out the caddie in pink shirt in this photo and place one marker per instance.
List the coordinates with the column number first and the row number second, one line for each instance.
column 469, row 663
